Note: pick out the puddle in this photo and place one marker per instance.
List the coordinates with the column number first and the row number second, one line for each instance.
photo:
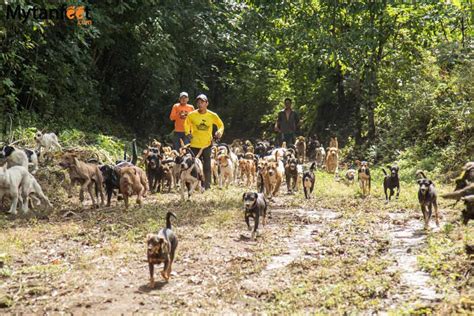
column 297, row 243
column 295, row 248
column 406, row 240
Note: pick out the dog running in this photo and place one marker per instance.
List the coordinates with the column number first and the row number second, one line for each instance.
column 161, row 248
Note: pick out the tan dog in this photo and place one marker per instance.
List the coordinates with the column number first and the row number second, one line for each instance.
column 86, row 174
column 226, row 166
column 301, row 149
column 247, row 169
column 333, row 143
column 364, row 176
column 332, row 160
column 250, row 148
column 273, row 176
column 132, row 182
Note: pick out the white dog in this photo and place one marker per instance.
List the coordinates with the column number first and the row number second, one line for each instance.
column 192, row 174
column 14, row 157
column 11, row 180
column 320, row 156
column 20, row 157
column 224, row 149
column 33, row 191
column 48, row 141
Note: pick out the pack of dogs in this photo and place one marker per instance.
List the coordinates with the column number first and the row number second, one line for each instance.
column 259, row 164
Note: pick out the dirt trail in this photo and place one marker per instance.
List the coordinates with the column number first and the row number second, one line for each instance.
column 218, row 268
column 408, row 236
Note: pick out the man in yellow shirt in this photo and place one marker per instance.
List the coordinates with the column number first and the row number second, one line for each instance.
column 198, row 127
column 178, row 114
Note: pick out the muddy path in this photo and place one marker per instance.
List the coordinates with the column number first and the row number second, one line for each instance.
column 309, row 257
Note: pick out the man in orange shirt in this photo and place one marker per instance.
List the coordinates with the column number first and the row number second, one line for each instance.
column 178, row 114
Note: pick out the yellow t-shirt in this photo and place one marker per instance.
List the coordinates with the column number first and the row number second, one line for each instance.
column 200, row 127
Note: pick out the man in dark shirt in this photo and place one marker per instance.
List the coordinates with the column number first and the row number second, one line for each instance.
column 287, row 123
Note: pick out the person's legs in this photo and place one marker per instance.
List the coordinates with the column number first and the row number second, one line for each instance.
column 206, row 163
column 177, row 137
column 206, row 157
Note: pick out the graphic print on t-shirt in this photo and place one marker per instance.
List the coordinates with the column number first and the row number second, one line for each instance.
column 183, row 114
column 203, row 126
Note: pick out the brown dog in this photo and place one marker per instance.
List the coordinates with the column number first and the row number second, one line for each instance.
column 332, row 160
column 85, row 174
column 333, row 143
column 132, row 181
column 247, row 170
column 272, row 177
column 364, row 176
column 301, row 149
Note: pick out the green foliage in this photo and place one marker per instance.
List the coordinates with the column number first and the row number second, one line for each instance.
column 387, row 78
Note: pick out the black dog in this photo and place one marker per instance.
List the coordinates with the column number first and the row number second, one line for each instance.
column 308, row 181
column 428, row 198
column 255, row 206
column 291, row 173
column 153, row 170
column 391, row 181
column 111, row 173
column 161, row 248
column 313, row 143
column 111, row 177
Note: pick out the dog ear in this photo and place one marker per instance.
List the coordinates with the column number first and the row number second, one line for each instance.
column 149, row 237
column 389, row 167
column 397, row 168
column 243, row 196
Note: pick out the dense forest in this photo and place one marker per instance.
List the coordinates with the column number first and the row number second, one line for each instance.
column 393, row 80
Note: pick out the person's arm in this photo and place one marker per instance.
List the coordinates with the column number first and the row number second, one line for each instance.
column 174, row 113
column 277, row 123
column 187, row 126
column 220, row 126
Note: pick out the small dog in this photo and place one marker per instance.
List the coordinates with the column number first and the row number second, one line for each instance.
column 390, row 182
column 33, row 191
column 48, row 141
column 131, row 183
column 192, row 175
column 261, row 166
column 11, row 182
column 247, row 170
column 273, row 176
column 333, row 143
column 153, row 170
column 428, row 198
column 350, row 176
column 166, row 176
column 111, row 176
column 20, row 157
column 363, row 174
column 332, row 160
column 320, row 156
column 161, row 248
column 301, row 149
column 308, row 181
column 311, row 147
column 291, row 173
column 255, row 206
column 226, row 167
column 85, row 174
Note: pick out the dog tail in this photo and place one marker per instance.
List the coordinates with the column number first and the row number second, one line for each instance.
column 168, row 219
column 384, row 172
column 420, row 173
column 313, row 166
